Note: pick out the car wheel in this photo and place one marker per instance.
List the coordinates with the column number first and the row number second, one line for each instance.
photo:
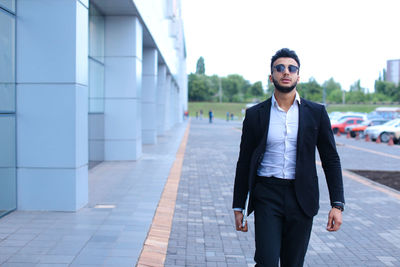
column 335, row 130
column 352, row 134
column 385, row 137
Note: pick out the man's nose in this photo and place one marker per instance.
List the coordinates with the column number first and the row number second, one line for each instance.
column 286, row 70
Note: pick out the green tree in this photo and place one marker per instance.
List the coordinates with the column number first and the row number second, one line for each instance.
column 270, row 88
column 355, row 97
column 335, row 96
column 356, row 87
column 310, row 90
column 256, row 89
column 199, row 88
column 200, row 66
column 234, row 88
column 386, row 88
column 330, row 86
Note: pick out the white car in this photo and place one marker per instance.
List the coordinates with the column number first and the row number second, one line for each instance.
column 385, row 131
column 336, row 117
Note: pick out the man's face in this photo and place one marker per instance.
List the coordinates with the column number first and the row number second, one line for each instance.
column 285, row 74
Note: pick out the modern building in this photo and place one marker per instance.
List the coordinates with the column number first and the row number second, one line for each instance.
column 393, row 71
column 83, row 82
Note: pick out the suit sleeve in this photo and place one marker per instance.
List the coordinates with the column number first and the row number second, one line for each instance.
column 247, row 146
column 330, row 159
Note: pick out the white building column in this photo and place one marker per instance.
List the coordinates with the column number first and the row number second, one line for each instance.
column 149, row 97
column 161, row 109
column 123, row 85
column 52, row 104
column 168, row 104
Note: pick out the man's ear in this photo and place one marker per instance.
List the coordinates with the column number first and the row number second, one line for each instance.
column 270, row 78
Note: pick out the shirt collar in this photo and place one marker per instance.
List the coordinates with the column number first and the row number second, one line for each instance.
column 297, row 98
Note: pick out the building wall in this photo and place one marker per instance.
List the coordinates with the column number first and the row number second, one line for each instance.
column 393, row 71
column 7, row 108
column 93, row 83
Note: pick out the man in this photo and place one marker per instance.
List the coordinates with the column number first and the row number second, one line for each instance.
column 277, row 166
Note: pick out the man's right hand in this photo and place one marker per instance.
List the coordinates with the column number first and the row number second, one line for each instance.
column 239, row 220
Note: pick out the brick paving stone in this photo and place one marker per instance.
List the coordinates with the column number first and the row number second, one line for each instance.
column 203, row 230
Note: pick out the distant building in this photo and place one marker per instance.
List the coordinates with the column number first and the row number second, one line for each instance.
column 393, row 71
column 83, row 81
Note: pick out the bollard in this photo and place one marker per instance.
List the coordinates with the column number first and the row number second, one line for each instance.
column 338, row 133
column 378, row 140
column 391, row 143
column 357, row 135
column 367, row 138
column 348, row 135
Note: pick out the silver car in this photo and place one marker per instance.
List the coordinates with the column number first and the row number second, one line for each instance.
column 385, row 131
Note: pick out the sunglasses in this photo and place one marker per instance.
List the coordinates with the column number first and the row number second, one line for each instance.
column 291, row 68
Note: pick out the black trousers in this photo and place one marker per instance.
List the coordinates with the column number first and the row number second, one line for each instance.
column 282, row 230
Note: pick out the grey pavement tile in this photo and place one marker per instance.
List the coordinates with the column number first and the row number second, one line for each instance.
column 123, row 253
column 120, row 261
column 203, row 212
column 23, row 258
column 33, row 250
column 18, row 264
column 56, row 259
column 8, row 250
column 89, row 260
column 13, row 243
column 51, row 265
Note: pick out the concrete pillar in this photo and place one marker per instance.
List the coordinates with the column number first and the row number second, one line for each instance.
column 161, row 92
column 167, row 100
column 52, row 104
column 149, row 97
column 123, row 85
column 174, row 104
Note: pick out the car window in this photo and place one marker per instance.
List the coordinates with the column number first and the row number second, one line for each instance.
column 359, row 121
column 379, row 122
column 350, row 121
column 391, row 122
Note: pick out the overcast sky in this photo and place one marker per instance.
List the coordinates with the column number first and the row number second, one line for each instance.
column 344, row 39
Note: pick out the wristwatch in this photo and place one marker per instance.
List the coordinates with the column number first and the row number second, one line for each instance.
column 338, row 205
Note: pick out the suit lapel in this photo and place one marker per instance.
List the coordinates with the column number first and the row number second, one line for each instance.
column 264, row 114
column 300, row 130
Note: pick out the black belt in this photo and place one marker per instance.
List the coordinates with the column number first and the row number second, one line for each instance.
column 274, row 180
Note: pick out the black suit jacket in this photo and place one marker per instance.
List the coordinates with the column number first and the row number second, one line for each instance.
column 314, row 131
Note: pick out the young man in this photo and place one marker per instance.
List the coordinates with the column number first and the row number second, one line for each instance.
column 277, row 166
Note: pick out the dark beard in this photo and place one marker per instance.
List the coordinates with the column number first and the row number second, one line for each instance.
column 283, row 89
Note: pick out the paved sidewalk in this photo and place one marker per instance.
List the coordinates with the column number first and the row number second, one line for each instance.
column 123, row 197
column 110, row 230
column 203, row 231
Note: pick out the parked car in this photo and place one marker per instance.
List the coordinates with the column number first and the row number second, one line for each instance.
column 336, row 117
column 385, row 131
column 359, row 128
column 341, row 124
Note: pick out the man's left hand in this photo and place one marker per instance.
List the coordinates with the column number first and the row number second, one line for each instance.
column 334, row 220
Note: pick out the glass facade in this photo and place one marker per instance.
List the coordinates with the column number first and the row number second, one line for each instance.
column 8, row 4
column 8, row 185
column 96, row 60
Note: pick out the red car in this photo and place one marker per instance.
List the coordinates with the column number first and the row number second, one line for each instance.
column 341, row 124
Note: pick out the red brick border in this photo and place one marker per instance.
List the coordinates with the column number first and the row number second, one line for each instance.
column 155, row 247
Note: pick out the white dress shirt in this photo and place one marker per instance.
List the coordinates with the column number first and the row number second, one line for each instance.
column 280, row 154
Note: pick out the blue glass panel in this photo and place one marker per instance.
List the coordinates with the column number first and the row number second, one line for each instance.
column 7, row 63
column 96, row 34
column 8, row 4
column 8, row 184
column 96, row 87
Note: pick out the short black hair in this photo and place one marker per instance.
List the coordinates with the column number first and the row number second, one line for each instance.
column 285, row 52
